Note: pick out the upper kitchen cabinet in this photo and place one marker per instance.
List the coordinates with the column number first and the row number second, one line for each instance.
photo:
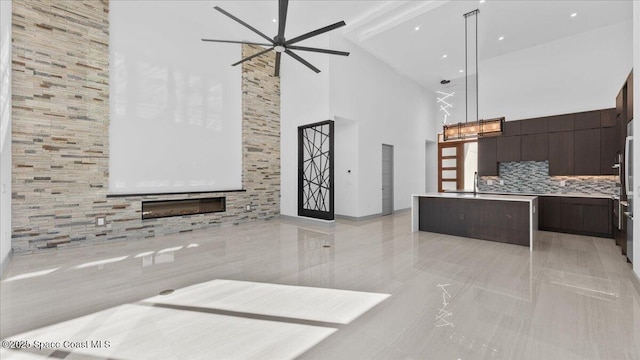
column 561, row 158
column 512, row 128
column 561, row 123
column 535, row 147
column 587, row 152
column 609, row 148
column 587, row 120
column 620, row 101
column 608, row 118
column 508, row 148
column 534, row 126
column 629, row 107
column 487, row 161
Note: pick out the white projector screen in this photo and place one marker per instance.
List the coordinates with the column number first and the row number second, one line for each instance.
column 175, row 101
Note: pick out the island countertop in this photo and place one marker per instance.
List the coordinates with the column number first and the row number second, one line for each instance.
column 514, row 219
column 479, row 196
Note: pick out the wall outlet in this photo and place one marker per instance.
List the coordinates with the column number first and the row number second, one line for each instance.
column 248, row 207
column 501, row 182
column 562, row 183
column 101, row 221
column 489, row 182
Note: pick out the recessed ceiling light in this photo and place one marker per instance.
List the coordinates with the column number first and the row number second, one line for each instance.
column 482, row 1
column 574, row 14
column 501, row 38
column 461, row 71
column 416, row 28
column 444, row 56
column 274, row 20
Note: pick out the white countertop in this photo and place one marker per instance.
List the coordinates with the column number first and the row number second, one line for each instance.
column 483, row 196
column 595, row 196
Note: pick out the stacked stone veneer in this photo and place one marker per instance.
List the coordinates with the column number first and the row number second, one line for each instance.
column 61, row 135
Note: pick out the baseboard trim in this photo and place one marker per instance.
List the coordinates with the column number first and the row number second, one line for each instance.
column 369, row 217
column 358, row 218
column 5, row 262
column 308, row 221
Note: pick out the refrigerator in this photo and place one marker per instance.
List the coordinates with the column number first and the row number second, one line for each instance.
column 628, row 152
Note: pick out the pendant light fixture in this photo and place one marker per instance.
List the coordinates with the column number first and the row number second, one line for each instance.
column 476, row 127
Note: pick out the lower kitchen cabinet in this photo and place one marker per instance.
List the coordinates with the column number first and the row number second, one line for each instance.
column 585, row 216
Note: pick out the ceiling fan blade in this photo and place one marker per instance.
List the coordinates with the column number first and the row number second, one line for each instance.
column 277, row 72
column 324, row 51
column 245, row 24
column 305, row 62
column 236, row 42
column 316, row 32
column 253, row 56
column 282, row 16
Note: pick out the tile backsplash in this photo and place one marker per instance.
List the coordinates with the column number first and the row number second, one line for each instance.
column 533, row 177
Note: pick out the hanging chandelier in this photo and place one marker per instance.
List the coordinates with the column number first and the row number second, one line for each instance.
column 478, row 127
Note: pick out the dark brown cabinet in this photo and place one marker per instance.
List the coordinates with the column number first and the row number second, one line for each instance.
column 587, row 152
column 549, row 215
column 512, row 128
column 561, row 123
column 487, row 160
column 535, row 126
column 508, row 148
column 620, row 102
column 608, row 118
column 535, row 147
column 587, row 216
column 608, row 149
column 561, row 150
column 629, row 102
column 587, row 120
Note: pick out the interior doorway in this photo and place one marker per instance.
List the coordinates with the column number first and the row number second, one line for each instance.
column 387, row 179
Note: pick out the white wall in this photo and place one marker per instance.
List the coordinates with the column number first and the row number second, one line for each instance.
column 571, row 74
column 636, row 129
column 389, row 109
column 304, row 99
column 5, row 133
column 346, row 166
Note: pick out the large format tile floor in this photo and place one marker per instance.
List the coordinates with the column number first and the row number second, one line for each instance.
column 281, row 289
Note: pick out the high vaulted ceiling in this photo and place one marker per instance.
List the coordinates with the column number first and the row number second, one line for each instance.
column 387, row 29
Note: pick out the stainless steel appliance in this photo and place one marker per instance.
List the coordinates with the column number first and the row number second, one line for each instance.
column 628, row 152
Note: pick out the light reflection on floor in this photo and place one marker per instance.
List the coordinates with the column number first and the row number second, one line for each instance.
column 220, row 319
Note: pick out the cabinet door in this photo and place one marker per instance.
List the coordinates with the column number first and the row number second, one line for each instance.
column 572, row 217
column 561, row 123
column 535, row 147
column 587, row 120
column 430, row 214
column 487, row 162
column 608, row 149
column 607, row 118
column 508, row 148
column 511, row 128
column 550, row 209
column 561, row 160
column 587, row 152
column 629, row 109
column 535, row 126
column 597, row 219
column 620, row 105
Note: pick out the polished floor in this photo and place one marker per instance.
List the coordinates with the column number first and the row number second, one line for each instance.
column 360, row 290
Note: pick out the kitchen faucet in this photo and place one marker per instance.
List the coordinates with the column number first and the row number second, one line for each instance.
column 475, row 183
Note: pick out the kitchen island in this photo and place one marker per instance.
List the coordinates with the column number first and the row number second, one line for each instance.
column 509, row 219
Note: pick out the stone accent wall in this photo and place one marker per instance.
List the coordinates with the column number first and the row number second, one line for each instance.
column 60, row 135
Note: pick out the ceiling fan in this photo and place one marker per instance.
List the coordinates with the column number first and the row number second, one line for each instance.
column 279, row 43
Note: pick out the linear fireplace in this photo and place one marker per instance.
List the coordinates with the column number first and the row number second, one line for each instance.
column 167, row 208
